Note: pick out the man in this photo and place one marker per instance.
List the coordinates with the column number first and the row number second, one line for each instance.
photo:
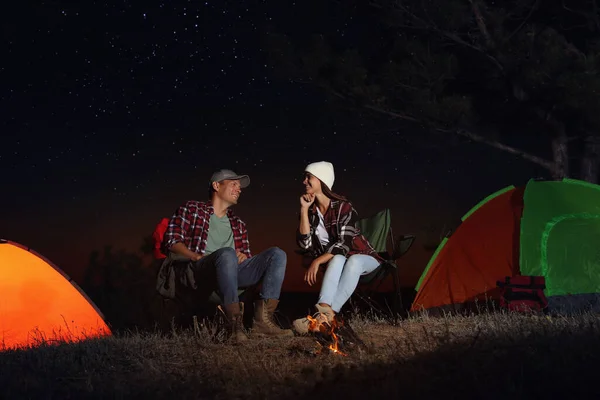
column 216, row 241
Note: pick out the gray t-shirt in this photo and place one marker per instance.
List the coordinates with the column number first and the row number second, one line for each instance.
column 219, row 234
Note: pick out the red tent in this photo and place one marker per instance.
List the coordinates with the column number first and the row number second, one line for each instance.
column 483, row 249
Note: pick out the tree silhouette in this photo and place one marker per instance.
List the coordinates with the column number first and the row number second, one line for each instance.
column 486, row 71
column 123, row 287
column 147, row 246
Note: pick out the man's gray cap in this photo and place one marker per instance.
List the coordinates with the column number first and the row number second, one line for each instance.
column 223, row 174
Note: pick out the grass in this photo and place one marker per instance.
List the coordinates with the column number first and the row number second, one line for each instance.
column 492, row 356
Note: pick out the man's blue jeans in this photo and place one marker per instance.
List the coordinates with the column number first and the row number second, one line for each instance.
column 267, row 267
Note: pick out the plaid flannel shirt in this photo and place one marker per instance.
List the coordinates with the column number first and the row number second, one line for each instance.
column 344, row 237
column 189, row 225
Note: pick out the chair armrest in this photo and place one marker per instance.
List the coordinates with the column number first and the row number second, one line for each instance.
column 179, row 258
column 403, row 245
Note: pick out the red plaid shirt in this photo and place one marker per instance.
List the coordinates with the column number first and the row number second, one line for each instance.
column 189, row 225
column 344, row 237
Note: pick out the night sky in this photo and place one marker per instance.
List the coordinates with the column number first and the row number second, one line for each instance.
column 114, row 114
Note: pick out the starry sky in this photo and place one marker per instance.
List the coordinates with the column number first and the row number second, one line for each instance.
column 112, row 114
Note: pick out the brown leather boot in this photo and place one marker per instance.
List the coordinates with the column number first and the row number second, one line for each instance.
column 264, row 324
column 235, row 322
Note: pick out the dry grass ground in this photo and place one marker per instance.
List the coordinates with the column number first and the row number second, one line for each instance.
column 488, row 356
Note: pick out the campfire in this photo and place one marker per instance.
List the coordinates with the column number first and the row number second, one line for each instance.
column 328, row 337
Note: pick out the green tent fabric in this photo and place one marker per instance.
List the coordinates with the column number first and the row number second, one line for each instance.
column 376, row 229
column 560, row 236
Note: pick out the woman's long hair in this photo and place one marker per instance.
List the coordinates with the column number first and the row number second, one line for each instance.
column 329, row 193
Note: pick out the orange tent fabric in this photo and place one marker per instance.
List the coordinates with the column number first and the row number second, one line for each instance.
column 482, row 250
column 39, row 303
column 157, row 237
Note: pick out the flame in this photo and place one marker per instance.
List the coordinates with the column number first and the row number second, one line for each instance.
column 316, row 325
column 312, row 323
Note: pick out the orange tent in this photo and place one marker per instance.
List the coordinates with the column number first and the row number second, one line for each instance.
column 40, row 303
column 483, row 249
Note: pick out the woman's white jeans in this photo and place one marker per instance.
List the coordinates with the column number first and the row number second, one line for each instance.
column 341, row 278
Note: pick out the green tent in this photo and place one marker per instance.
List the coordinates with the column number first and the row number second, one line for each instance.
column 547, row 228
column 560, row 236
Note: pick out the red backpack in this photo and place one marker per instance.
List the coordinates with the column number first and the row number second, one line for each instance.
column 523, row 293
column 157, row 238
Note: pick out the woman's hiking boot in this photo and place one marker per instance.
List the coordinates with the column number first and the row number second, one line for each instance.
column 324, row 315
column 264, row 323
column 235, row 323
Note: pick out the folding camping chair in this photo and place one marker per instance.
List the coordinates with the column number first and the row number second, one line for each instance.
column 378, row 230
column 187, row 302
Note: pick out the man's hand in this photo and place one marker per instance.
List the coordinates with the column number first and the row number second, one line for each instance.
column 310, row 276
column 241, row 257
column 182, row 250
column 306, row 200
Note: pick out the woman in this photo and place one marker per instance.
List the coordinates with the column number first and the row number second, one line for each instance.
column 327, row 229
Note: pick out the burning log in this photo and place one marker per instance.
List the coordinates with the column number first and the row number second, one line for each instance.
column 337, row 337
